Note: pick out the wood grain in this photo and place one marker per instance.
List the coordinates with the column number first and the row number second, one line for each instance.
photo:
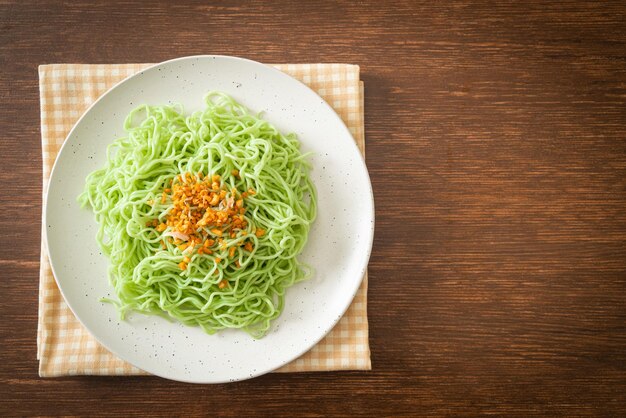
column 496, row 135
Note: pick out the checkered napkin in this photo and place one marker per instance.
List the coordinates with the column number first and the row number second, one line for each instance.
column 64, row 347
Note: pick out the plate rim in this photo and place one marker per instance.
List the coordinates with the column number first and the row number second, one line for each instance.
column 369, row 207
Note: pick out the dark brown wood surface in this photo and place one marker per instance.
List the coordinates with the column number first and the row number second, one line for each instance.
column 496, row 143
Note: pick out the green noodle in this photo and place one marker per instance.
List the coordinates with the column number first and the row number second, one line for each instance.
column 161, row 143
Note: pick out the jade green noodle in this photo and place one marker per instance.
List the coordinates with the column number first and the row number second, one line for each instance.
column 162, row 143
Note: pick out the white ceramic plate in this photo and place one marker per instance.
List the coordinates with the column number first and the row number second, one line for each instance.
column 338, row 248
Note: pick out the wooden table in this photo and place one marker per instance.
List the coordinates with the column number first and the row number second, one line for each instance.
column 496, row 138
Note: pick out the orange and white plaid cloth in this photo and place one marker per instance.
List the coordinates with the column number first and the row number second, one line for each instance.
column 64, row 347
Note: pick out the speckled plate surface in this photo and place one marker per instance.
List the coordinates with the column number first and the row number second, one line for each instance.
column 338, row 248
